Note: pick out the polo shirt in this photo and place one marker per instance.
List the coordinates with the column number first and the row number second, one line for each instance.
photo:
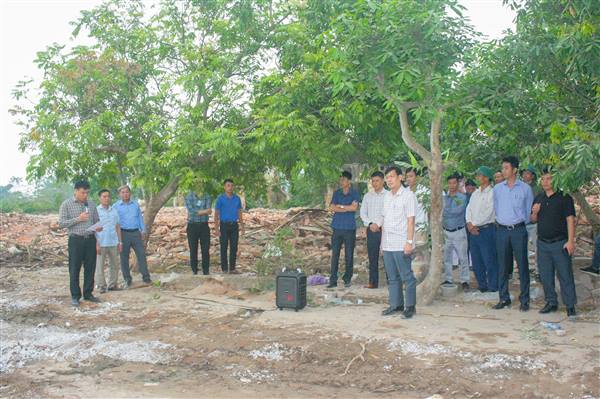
column 552, row 217
column 344, row 220
column 228, row 207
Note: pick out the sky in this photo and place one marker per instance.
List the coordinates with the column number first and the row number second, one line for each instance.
column 28, row 26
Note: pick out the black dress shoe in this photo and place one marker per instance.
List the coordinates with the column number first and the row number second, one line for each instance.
column 482, row 290
column 465, row 287
column 548, row 308
column 447, row 283
column 524, row 307
column 571, row 311
column 502, row 305
column 348, row 284
column 591, row 270
column 92, row 298
column 331, row 285
column 75, row 302
column 390, row 310
column 409, row 312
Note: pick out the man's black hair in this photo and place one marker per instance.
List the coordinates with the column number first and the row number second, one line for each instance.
column 82, row 184
column 411, row 169
column 453, row 176
column 546, row 170
column 377, row 174
column 104, row 190
column 228, row 181
column 395, row 168
column 470, row 182
column 512, row 160
column 347, row 175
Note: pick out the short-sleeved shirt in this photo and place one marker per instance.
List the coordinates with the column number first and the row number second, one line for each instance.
column 344, row 220
column 552, row 217
column 397, row 208
column 512, row 205
column 109, row 217
column 195, row 203
column 228, row 207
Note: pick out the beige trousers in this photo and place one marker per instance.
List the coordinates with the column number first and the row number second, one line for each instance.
column 113, row 272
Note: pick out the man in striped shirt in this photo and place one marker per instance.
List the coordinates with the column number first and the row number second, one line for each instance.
column 78, row 215
column 397, row 243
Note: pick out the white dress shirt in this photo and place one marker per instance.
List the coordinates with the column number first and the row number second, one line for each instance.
column 397, row 208
column 480, row 210
column 371, row 210
column 421, row 219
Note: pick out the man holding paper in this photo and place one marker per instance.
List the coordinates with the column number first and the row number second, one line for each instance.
column 79, row 216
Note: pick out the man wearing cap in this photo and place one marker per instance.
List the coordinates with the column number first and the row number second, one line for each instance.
column 555, row 214
column 455, row 234
column 480, row 219
column 512, row 204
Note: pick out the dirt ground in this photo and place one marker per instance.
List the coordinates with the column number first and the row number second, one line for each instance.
column 219, row 337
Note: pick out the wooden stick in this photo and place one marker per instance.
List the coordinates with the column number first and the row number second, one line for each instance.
column 359, row 356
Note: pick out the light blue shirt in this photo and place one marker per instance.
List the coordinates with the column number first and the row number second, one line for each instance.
column 513, row 204
column 454, row 211
column 130, row 215
column 110, row 219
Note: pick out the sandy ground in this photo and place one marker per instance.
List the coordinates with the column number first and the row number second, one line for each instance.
column 192, row 336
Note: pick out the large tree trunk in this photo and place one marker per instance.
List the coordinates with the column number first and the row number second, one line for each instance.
column 427, row 290
column 155, row 202
column 587, row 210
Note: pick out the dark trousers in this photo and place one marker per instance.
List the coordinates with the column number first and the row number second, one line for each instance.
column 82, row 250
column 509, row 244
column 373, row 246
column 199, row 232
column 348, row 239
column 596, row 258
column 133, row 239
column 485, row 262
column 553, row 260
column 230, row 234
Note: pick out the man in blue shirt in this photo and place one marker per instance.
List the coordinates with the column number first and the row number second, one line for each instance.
column 108, row 243
column 132, row 229
column 455, row 234
column 344, row 204
column 228, row 223
column 513, row 200
column 199, row 209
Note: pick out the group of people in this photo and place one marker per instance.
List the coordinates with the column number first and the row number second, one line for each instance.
column 109, row 231
column 490, row 225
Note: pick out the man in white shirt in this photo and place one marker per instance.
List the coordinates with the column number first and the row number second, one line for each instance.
column 397, row 243
column 481, row 219
column 421, row 218
column 371, row 212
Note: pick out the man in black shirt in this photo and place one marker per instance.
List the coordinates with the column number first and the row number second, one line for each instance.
column 555, row 215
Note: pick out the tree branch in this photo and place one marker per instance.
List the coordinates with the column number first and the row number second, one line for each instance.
column 112, row 149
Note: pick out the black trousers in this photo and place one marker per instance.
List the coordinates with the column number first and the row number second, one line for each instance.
column 512, row 243
column 230, row 234
column 348, row 239
column 82, row 251
column 373, row 246
column 199, row 232
column 553, row 261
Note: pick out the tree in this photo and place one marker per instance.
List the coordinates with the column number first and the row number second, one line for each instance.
column 159, row 100
column 406, row 54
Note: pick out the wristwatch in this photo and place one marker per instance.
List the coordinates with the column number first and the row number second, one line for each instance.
column 342, row 206
column 409, row 241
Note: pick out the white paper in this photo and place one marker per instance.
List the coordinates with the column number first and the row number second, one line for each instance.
column 93, row 227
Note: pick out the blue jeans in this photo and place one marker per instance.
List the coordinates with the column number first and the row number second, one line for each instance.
column 511, row 243
column 485, row 262
column 554, row 260
column 348, row 239
column 399, row 272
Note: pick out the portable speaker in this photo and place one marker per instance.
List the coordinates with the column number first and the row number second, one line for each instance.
column 290, row 289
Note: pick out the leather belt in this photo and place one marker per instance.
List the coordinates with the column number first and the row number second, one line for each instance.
column 130, row 230
column 485, row 226
column 552, row 240
column 456, row 229
column 512, row 226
